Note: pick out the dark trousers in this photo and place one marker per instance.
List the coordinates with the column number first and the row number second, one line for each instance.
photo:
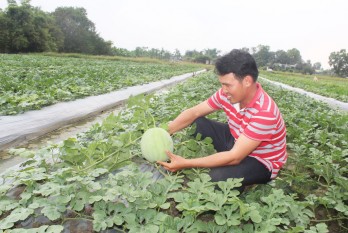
column 253, row 171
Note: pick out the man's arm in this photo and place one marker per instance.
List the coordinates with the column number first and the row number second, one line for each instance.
column 242, row 148
column 186, row 118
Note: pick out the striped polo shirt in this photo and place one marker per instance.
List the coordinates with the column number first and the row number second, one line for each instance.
column 260, row 120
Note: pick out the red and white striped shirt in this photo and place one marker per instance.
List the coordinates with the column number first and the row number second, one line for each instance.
column 260, row 120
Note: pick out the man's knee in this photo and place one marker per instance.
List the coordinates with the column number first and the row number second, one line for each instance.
column 199, row 123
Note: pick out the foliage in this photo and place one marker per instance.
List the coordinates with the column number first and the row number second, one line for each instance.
column 27, row 29
column 339, row 62
column 290, row 60
column 205, row 56
column 30, row 82
column 67, row 29
column 262, row 55
column 80, row 35
column 328, row 86
column 56, row 181
column 318, row 148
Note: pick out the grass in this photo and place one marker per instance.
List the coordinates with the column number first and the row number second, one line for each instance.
column 328, row 86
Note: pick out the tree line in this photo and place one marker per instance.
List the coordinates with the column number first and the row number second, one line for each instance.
column 291, row 61
column 24, row 29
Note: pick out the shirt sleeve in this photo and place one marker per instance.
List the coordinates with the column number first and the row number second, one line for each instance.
column 262, row 127
column 215, row 100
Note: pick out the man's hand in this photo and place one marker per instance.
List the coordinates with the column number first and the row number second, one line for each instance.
column 176, row 162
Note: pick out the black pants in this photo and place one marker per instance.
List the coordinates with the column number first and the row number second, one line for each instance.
column 253, row 171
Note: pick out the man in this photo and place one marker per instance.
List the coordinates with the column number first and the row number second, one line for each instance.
column 252, row 145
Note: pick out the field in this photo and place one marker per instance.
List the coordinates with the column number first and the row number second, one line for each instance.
column 328, row 86
column 29, row 82
column 99, row 180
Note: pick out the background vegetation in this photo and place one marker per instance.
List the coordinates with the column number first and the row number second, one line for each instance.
column 31, row 81
column 328, row 86
column 24, row 29
column 77, row 184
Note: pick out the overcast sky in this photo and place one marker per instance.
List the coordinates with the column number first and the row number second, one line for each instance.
column 315, row 27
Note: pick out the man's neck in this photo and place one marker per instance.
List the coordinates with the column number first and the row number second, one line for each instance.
column 251, row 93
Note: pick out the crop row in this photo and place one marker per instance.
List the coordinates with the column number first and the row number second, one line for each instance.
column 97, row 180
column 30, row 82
column 333, row 87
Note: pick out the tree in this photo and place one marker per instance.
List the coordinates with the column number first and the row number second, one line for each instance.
column 294, row 56
column 154, row 53
column 246, row 49
column 27, row 29
column 121, row 52
column 317, row 66
column 190, row 55
column 76, row 28
column 339, row 62
column 80, row 35
column 211, row 54
column 282, row 57
column 263, row 56
column 4, row 33
column 305, row 67
column 177, row 55
column 141, row 52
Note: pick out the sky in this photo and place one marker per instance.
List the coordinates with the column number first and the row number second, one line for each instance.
column 314, row 27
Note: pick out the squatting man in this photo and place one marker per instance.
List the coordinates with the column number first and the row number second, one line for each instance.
column 252, row 144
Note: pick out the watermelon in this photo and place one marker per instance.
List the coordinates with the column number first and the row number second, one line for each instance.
column 154, row 143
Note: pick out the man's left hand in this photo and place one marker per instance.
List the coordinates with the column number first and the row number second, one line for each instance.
column 176, row 162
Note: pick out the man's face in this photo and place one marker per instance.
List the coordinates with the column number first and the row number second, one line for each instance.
column 232, row 88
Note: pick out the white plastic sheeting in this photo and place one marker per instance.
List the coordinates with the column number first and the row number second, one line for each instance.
column 333, row 103
column 33, row 124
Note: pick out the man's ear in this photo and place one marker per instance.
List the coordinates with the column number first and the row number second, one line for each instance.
column 248, row 81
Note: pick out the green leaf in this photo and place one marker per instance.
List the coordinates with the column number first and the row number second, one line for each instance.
column 341, row 207
column 47, row 189
column 4, row 188
column 22, row 152
column 38, row 202
column 55, row 229
column 322, row 228
column 165, row 206
column 16, row 215
column 130, row 218
column 93, row 199
column 93, row 186
column 220, row 220
column 192, row 145
column 51, row 212
column 74, row 178
column 41, row 229
column 62, row 199
column 255, row 216
column 8, row 204
column 78, row 204
column 234, row 220
column 99, row 220
column 6, row 224
column 99, row 171
column 117, row 219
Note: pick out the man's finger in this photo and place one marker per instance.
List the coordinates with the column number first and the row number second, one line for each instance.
column 162, row 163
column 165, row 165
column 170, row 154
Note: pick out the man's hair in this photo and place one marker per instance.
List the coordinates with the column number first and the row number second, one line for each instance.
column 238, row 62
